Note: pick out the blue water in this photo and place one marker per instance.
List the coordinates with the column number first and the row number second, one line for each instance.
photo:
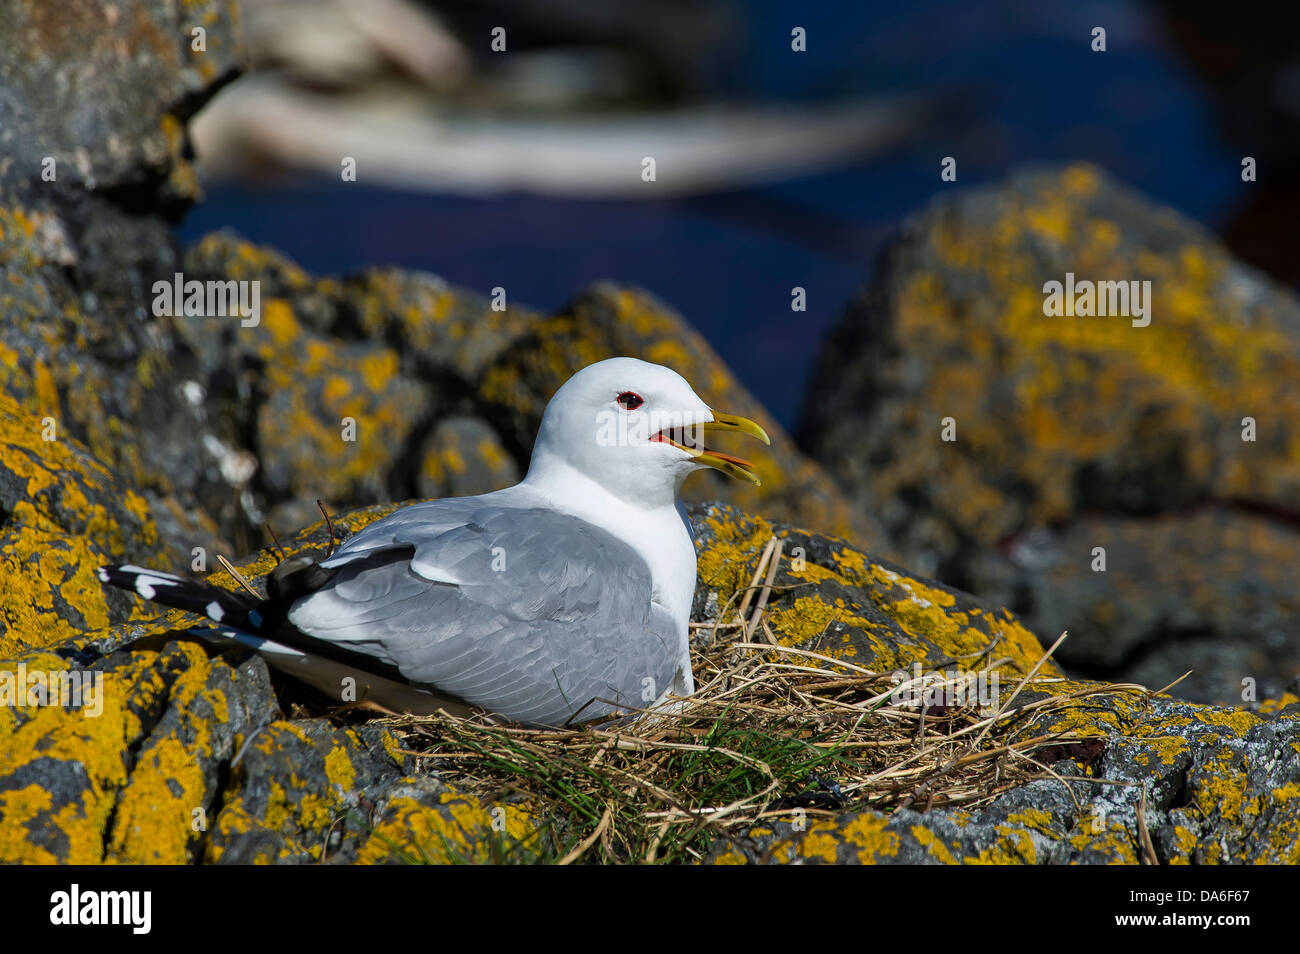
column 1031, row 91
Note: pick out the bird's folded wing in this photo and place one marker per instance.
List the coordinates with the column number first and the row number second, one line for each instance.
column 522, row 611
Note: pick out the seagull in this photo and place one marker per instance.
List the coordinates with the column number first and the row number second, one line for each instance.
column 563, row 599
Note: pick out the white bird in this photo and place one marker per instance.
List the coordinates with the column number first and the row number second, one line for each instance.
column 562, row 599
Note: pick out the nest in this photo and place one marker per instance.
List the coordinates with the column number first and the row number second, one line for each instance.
column 772, row 734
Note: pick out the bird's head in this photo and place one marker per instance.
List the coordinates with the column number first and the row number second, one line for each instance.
column 637, row 429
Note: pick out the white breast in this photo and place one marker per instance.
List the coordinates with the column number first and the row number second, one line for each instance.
column 661, row 536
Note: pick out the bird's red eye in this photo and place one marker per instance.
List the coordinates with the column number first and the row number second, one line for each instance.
column 630, row 400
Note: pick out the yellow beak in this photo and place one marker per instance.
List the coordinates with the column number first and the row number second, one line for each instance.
column 731, row 466
column 731, row 422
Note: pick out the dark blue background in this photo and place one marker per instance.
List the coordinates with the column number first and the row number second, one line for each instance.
column 1031, row 90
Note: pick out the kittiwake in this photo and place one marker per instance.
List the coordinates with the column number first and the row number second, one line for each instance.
column 562, row 599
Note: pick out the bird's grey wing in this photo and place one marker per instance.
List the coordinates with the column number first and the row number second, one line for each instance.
column 420, row 520
column 522, row 611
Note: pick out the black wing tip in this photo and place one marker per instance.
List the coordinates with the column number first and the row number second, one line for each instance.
column 193, row 596
column 128, row 575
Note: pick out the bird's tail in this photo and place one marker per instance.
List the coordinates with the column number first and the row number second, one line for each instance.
column 263, row 625
column 221, row 606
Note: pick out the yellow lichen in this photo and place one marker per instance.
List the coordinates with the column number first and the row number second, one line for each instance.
column 459, row 830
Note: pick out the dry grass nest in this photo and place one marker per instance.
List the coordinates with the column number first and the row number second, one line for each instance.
column 772, row 734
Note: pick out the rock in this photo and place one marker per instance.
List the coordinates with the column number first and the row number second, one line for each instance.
column 193, row 758
column 79, row 345
column 94, row 100
column 185, row 755
column 105, row 91
column 449, row 390
column 462, row 455
column 62, row 514
column 395, row 353
column 1212, row 591
column 126, row 783
column 1080, row 432
column 325, row 418
column 414, row 827
column 125, row 738
column 844, row 603
column 380, row 385
column 297, row 794
column 1221, row 786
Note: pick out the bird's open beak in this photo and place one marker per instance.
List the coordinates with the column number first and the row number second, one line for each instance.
column 732, row 466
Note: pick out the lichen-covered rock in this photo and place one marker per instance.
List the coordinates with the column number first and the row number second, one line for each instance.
column 1212, row 786
column 105, row 90
column 1072, row 433
column 192, row 758
column 62, row 514
column 327, row 418
column 79, row 345
column 841, row 602
column 453, row 386
column 385, row 384
column 462, row 455
column 183, row 755
column 126, row 775
column 1221, row 784
column 94, row 99
column 448, row 828
column 297, row 794
column 175, row 781
column 1223, row 582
